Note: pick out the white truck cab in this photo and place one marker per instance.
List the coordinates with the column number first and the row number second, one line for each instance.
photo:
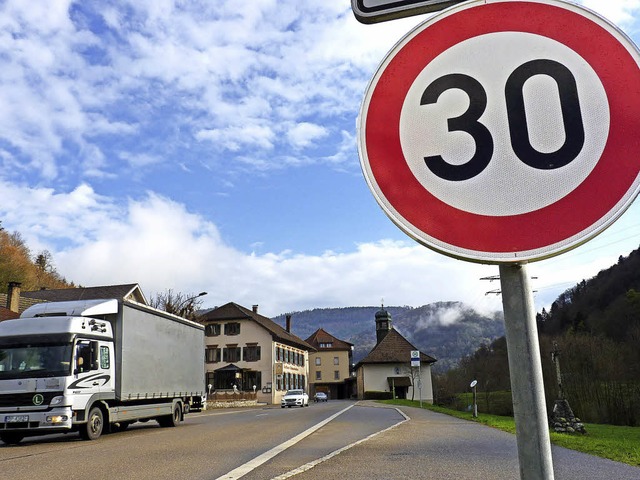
column 63, row 368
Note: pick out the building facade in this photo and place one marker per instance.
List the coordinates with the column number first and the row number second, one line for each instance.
column 387, row 368
column 247, row 352
column 330, row 366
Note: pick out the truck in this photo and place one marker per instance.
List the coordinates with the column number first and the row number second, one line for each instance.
column 95, row 366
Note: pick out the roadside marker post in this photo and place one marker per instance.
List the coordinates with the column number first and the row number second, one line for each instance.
column 505, row 132
column 415, row 362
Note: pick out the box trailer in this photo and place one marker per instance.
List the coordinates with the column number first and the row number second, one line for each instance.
column 97, row 365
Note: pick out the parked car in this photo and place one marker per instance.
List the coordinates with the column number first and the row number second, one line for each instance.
column 295, row 398
column 320, row 397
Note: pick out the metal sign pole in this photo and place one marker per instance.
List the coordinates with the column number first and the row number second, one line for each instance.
column 525, row 366
column 420, row 381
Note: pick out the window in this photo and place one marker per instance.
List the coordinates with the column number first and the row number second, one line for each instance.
column 212, row 354
column 231, row 354
column 104, row 357
column 318, row 361
column 252, row 378
column 251, row 353
column 232, row 328
column 326, row 344
column 212, row 330
column 286, row 356
column 318, row 375
column 336, row 360
column 209, row 380
column 336, row 374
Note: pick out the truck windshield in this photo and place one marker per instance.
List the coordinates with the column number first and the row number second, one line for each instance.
column 35, row 360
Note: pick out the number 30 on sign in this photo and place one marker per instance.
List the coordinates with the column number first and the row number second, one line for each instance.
column 503, row 131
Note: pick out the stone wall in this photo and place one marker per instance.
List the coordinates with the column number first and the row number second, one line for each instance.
column 231, row 404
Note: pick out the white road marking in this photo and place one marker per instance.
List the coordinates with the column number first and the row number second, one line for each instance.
column 268, row 455
column 310, row 465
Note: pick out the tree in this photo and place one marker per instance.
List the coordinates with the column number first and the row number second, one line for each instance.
column 414, row 374
column 178, row 303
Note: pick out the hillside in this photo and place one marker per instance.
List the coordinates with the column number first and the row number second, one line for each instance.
column 445, row 330
column 606, row 305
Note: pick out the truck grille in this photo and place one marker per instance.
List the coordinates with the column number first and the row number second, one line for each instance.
column 26, row 399
column 16, row 426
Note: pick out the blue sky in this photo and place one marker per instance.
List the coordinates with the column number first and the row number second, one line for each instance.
column 211, row 146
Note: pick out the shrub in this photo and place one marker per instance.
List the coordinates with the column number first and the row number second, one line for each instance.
column 375, row 395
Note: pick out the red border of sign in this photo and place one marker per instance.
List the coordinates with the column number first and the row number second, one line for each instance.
column 575, row 214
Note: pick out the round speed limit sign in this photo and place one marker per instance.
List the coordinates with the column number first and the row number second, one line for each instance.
column 504, row 131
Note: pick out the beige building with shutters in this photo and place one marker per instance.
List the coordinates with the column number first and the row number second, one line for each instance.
column 244, row 349
column 330, row 365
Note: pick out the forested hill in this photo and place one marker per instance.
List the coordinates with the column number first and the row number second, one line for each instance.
column 19, row 264
column 447, row 331
column 606, row 305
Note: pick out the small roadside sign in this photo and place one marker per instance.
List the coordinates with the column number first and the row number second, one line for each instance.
column 415, row 358
column 374, row 11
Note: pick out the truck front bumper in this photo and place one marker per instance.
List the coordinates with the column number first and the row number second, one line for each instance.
column 59, row 419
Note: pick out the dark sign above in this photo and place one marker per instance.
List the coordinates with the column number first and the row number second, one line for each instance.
column 374, row 11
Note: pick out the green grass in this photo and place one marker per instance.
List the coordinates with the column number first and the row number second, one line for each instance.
column 620, row 444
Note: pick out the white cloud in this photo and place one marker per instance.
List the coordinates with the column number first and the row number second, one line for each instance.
column 304, row 134
column 158, row 243
column 620, row 12
column 251, row 83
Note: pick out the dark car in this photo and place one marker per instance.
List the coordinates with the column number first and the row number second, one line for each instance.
column 320, row 397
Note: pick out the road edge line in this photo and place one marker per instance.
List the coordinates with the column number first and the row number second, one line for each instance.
column 269, row 454
column 310, row 465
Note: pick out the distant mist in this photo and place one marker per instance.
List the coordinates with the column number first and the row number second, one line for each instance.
column 447, row 331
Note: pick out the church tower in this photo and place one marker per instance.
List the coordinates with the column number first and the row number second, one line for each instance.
column 383, row 324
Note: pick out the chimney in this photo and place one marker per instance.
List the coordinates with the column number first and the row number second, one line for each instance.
column 255, row 309
column 13, row 296
column 288, row 317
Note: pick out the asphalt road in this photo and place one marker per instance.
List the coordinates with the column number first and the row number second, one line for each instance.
column 334, row 440
column 438, row 447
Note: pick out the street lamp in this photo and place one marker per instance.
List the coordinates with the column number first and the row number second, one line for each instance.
column 180, row 309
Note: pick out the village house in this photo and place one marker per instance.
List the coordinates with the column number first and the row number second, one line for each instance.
column 387, row 368
column 330, row 365
column 246, row 351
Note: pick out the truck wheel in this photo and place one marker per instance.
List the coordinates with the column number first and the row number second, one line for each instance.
column 95, row 423
column 11, row 438
column 171, row 420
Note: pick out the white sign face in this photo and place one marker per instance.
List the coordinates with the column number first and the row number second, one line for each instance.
column 537, row 187
column 502, row 131
column 415, row 354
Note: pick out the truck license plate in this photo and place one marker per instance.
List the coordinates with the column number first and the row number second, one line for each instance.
column 16, row 418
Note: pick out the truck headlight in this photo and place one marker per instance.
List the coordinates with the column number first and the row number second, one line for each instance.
column 57, row 418
column 57, row 400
